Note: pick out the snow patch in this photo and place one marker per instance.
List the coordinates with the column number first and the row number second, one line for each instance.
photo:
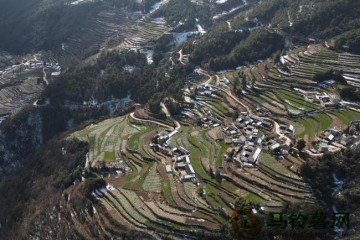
column 217, row 16
column 157, row 5
column 200, row 29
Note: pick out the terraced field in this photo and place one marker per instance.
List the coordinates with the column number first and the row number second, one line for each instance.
column 17, row 91
column 305, row 64
column 112, row 29
column 106, row 139
column 290, row 94
column 148, row 198
column 22, row 79
column 145, row 193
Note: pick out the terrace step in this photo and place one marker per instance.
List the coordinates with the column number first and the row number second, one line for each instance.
column 280, row 177
column 277, row 191
column 114, row 202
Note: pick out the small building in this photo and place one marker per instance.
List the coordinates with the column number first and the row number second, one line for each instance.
column 347, row 141
column 355, row 145
column 239, row 119
column 324, row 147
column 228, row 140
column 168, row 169
column 208, row 93
column 189, row 169
column 291, row 128
column 267, row 124
column 274, row 146
column 250, row 128
column 330, row 138
column 188, row 177
column 254, row 157
column 180, row 166
column 233, row 132
column 248, row 165
column 283, row 127
column 238, row 141
column 163, row 139
column 183, row 150
column 183, row 159
column 334, row 131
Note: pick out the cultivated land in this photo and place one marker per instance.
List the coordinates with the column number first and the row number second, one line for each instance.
column 151, row 184
column 22, row 79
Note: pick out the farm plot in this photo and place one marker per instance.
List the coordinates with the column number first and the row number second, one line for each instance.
column 269, row 104
column 105, row 138
column 347, row 116
column 152, row 181
column 17, row 91
column 270, row 162
column 311, row 127
column 325, row 60
column 295, row 101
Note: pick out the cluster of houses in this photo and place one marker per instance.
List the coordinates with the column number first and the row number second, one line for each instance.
column 333, row 139
column 183, row 164
column 245, row 133
column 204, row 90
column 159, row 144
column 319, row 98
column 350, row 139
column 181, row 157
column 224, row 82
column 328, row 139
column 277, row 149
column 34, row 64
column 287, row 129
column 209, row 120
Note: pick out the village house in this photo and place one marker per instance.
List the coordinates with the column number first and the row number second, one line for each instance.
column 184, row 159
column 168, row 169
column 274, row 147
column 250, row 155
column 347, row 141
column 324, row 147
column 330, row 138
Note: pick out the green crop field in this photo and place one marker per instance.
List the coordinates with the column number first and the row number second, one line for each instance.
column 347, row 116
column 311, row 126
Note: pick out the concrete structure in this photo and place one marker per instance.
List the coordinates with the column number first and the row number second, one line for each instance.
column 274, row 146
column 168, row 169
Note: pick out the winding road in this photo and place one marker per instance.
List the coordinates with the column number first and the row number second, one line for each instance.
column 149, row 121
column 45, row 77
column 168, row 115
column 288, row 141
column 181, row 57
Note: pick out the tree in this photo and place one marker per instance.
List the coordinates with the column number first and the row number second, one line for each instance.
column 236, row 85
column 306, row 171
column 154, row 106
column 301, row 144
column 244, row 83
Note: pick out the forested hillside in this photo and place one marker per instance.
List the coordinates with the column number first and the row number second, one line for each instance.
column 349, row 41
column 115, row 76
column 321, row 19
column 231, row 49
column 38, row 24
column 228, row 44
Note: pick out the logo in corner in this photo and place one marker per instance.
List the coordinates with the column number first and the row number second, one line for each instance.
column 246, row 224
